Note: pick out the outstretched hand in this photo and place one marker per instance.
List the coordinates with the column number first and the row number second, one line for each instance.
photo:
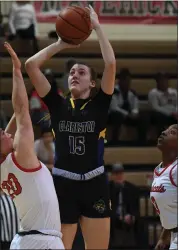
column 94, row 17
column 15, row 60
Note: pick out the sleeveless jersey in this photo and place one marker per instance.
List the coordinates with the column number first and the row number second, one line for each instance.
column 164, row 194
column 80, row 128
column 33, row 193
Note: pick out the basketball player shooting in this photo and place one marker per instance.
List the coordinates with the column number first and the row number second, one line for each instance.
column 79, row 123
column 24, row 178
column 164, row 188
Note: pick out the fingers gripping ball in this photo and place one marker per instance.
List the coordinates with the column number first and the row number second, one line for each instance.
column 73, row 24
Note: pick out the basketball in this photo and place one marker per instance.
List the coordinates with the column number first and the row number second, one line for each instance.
column 73, row 24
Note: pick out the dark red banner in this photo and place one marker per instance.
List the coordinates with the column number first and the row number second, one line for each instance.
column 122, row 12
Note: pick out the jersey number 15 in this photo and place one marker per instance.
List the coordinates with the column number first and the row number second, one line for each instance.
column 77, row 145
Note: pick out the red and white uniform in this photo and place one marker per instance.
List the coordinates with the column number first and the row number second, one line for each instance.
column 164, row 197
column 35, row 198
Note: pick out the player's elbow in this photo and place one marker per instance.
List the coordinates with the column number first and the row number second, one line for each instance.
column 111, row 63
column 110, row 67
column 30, row 65
column 20, row 108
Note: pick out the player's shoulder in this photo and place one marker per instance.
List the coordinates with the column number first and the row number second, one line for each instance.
column 45, row 173
column 6, row 160
column 44, row 168
column 101, row 95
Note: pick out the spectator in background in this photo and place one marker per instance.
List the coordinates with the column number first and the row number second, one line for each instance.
column 22, row 22
column 64, row 83
column 163, row 101
column 38, row 111
column 125, row 209
column 45, row 148
column 124, row 109
column 2, row 29
column 3, row 120
column 9, row 220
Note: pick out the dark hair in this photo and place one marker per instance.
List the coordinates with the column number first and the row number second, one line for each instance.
column 69, row 64
column 46, row 130
column 160, row 75
column 124, row 72
column 93, row 74
column 92, row 71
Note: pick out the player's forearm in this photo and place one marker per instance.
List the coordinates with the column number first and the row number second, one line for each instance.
column 165, row 234
column 44, row 55
column 106, row 48
column 11, row 126
column 19, row 94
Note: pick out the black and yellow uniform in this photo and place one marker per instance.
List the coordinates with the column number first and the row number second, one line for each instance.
column 80, row 182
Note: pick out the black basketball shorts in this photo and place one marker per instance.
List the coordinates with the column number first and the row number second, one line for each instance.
column 82, row 198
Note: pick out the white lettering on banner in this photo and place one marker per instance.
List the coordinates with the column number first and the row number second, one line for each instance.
column 115, row 11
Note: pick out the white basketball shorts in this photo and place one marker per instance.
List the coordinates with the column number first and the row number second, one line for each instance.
column 174, row 241
column 36, row 242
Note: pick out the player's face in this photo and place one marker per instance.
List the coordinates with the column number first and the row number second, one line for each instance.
column 47, row 137
column 118, row 177
column 79, row 80
column 6, row 143
column 169, row 138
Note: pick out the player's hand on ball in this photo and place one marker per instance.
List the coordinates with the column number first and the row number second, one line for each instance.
column 15, row 60
column 94, row 18
column 65, row 45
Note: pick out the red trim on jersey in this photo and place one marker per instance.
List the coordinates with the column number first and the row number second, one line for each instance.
column 158, row 174
column 28, row 170
column 171, row 178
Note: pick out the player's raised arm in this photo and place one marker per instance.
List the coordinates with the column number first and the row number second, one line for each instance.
column 108, row 79
column 24, row 137
column 34, row 64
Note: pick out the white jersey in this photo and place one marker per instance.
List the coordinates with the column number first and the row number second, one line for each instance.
column 164, row 194
column 34, row 195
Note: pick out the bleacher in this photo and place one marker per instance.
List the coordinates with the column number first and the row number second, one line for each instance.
column 144, row 60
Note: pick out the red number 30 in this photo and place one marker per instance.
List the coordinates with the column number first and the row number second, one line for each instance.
column 155, row 204
column 12, row 186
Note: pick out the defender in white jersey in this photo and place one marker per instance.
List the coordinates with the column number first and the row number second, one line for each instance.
column 164, row 187
column 24, row 178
